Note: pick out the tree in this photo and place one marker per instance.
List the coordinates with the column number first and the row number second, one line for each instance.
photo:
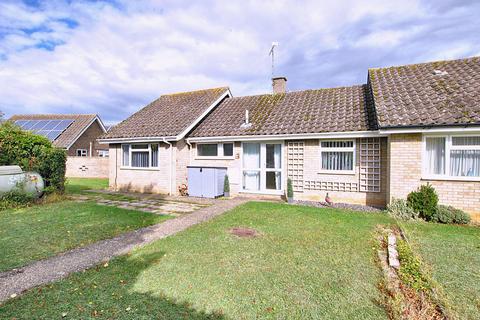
column 33, row 153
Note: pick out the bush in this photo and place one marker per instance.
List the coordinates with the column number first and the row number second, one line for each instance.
column 226, row 184
column 443, row 214
column 15, row 198
column 449, row 214
column 33, row 153
column 289, row 188
column 399, row 209
column 460, row 217
column 424, row 201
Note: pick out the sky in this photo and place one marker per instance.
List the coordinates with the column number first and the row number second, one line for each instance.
column 114, row 57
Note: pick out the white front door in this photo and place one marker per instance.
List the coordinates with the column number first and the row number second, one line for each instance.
column 262, row 167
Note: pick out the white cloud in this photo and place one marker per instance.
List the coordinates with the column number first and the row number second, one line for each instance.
column 382, row 38
column 120, row 57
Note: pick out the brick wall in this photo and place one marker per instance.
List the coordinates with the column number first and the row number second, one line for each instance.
column 312, row 173
column 87, row 167
column 89, row 136
column 182, row 160
column 151, row 180
column 406, row 175
column 234, row 166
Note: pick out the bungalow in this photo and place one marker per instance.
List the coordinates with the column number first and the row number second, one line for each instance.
column 76, row 133
column 365, row 144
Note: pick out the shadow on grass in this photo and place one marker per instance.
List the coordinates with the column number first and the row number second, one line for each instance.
column 102, row 292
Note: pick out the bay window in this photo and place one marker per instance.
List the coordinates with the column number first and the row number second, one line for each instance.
column 140, row 155
column 452, row 156
column 337, row 156
column 215, row 150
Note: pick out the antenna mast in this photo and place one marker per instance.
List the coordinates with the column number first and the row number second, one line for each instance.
column 272, row 53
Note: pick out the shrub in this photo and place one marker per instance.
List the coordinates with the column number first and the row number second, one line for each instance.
column 424, row 201
column 460, row 217
column 33, row 153
column 226, row 184
column 289, row 188
column 15, row 198
column 399, row 209
column 449, row 214
column 443, row 214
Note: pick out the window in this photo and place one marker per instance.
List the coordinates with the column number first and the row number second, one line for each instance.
column 126, row 155
column 140, row 155
column 337, row 156
column 215, row 150
column 228, row 149
column 82, row 153
column 207, row 150
column 452, row 156
column 102, row 153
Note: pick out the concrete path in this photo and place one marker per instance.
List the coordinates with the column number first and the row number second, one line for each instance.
column 45, row 271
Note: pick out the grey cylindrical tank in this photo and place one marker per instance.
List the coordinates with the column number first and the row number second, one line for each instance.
column 13, row 176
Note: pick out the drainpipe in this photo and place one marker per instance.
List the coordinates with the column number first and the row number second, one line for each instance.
column 188, row 143
column 171, row 160
column 116, row 164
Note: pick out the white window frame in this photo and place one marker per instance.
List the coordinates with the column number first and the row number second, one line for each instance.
column 341, row 149
column 448, row 147
column 102, row 153
column 220, row 155
column 131, row 151
column 83, row 153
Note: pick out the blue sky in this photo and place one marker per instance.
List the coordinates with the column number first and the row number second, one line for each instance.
column 113, row 57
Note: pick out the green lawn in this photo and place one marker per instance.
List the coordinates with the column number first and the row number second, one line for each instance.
column 453, row 254
column 77, row 185
column 307, row 263
column 41, row 231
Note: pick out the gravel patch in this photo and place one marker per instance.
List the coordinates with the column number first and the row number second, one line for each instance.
column 346, row 206
column 14, row 282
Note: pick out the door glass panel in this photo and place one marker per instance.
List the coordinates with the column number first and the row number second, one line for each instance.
column 273, row 180
column 273, row 155
column 251, row 180
column 251, row 155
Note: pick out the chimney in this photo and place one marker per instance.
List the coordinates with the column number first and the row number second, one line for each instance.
column 279, row 84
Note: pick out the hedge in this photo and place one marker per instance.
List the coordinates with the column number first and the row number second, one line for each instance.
column 33, row 153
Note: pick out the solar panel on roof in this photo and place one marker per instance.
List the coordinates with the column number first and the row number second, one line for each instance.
column 50, row 128
column 51, row 125
column 28, row 124
column 38, row 125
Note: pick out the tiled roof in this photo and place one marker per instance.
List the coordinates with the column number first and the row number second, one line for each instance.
column 427, row 94
column 71, row 134
column 167, row 116
column 310, row 111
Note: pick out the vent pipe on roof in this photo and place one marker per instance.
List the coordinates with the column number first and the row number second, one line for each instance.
column 279, row 84
column 247, row 123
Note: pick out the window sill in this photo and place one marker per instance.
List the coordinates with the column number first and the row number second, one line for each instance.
column 140, row 169
column 214, row 158
column 448, row 178
column 335, row 172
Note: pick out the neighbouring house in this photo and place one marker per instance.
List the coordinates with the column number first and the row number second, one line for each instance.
column 365, row 144
column 77, row 134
